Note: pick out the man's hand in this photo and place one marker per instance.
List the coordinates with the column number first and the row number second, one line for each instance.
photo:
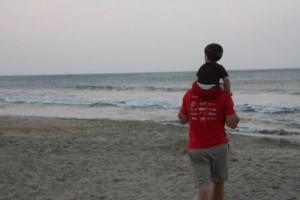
column 182, row 118
column 232, row 121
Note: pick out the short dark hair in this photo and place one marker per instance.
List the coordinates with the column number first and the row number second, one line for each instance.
column 213, row 52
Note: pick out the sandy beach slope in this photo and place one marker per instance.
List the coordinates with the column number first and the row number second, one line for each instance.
column 44, row 158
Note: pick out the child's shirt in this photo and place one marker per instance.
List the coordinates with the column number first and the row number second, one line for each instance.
column 211, row 73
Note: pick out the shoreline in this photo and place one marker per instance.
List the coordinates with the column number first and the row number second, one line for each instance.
column 290, row 138
column 54, row 158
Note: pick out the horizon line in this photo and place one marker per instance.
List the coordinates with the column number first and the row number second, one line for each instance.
column 147, row 72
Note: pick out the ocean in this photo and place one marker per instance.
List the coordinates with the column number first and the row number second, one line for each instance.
column 268, row 101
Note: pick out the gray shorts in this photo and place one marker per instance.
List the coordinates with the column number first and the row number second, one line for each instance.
column 209, row 164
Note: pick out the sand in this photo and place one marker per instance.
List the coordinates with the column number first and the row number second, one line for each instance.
column 47, row 158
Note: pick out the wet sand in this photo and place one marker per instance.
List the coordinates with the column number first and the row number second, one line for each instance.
column 48, row 158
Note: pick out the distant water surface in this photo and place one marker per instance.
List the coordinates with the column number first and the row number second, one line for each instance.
column 268, row 101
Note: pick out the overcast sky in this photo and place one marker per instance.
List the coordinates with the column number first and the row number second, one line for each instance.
column 109, row 36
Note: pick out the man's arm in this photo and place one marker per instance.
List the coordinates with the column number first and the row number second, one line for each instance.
column 183, row 118
column 183, row 112
column 232, row 120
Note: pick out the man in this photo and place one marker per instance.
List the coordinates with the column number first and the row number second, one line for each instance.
column 207, row 111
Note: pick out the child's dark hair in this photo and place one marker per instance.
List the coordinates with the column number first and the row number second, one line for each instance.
column 213, row 52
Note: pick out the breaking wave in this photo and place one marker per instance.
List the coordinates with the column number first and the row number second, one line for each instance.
column 282, row 132
column 105, row 103
column 267, row 109
column 126, row 88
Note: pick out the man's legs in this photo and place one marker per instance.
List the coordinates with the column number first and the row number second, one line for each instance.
column 217, row 192
column 214, row 191
column 201, row 172
column 210, row 165
column 219, row 171
column 204, row 192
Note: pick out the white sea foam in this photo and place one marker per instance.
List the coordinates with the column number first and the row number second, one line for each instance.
column 266, row 100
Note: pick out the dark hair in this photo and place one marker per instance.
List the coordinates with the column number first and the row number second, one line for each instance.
column 213, row 52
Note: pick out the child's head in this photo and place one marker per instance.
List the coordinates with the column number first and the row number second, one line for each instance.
column 213, row 52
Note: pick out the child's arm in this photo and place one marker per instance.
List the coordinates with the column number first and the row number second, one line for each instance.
column 227, row 85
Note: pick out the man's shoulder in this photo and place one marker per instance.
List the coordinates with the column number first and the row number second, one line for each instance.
column 224, row 94
column 226, row 97
column 188, row 92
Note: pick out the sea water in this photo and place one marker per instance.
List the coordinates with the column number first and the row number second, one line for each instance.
column 268, row 101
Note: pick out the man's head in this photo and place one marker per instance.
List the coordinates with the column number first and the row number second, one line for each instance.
column 213, row 52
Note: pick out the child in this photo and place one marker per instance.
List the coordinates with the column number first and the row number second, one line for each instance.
column 210, row 73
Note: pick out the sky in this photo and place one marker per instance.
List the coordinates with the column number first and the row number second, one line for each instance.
column 117, row 36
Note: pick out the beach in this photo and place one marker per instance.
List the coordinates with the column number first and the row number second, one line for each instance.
column 52, row 158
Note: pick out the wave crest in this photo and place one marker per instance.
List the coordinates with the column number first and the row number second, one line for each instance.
column 73, row 102
column 281, row 132
column 267, row 109
column 123, row 88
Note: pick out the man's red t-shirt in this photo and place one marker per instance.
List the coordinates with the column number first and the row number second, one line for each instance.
column 206, row 111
